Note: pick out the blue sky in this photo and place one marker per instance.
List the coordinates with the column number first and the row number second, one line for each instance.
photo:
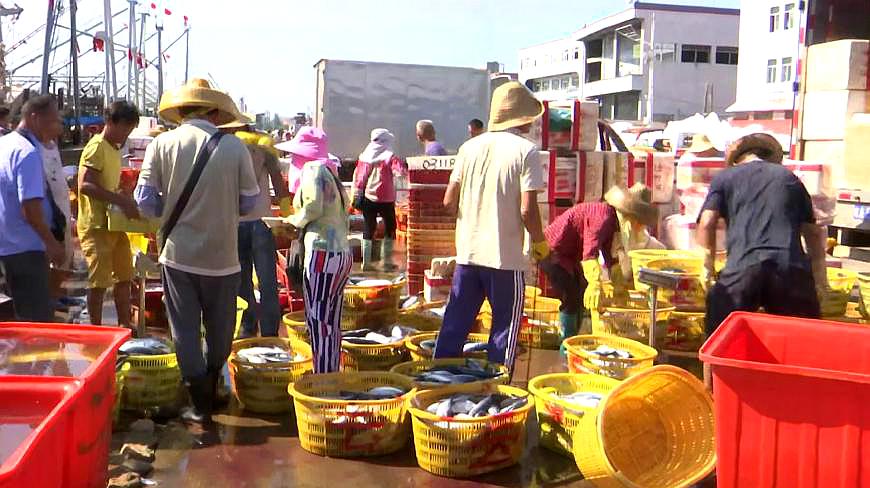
column 264, row 50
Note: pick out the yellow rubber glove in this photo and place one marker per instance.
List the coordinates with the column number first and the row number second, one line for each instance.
column 592, row 272
column 540, row 251
column 708, row 272
column 286, row 205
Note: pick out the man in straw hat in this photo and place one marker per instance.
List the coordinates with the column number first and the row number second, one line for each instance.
column 766, row 210
column 494, row 190
column 256, row 242
column 199, row 253
column 701, row 147
column 587, row 230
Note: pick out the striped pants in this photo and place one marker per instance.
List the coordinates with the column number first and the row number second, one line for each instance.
column 505, row 290
column 326, row 275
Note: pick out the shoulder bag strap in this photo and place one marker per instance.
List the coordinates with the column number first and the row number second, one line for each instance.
column 198, row 166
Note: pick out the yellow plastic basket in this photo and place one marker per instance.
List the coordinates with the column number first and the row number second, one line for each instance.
column 864, row 287
column 654, row 430
column 632, row 323
column 412, row 344
column 149, row 381
column 421, row 318
column 690, row 295
column 686, row 332
column 640, row 258
column 541, row 330
column 341, row 428
column 841, row 281
column 372, row 357
column 296, row 327
column 412, row 368
column 262, row 388
column 558, row 418
column 532, row 293
column 582, row 360
column 468, row 447
column 368, row 319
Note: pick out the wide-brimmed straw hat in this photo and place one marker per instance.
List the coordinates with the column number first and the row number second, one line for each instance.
column 513, row 105
column 197, row 93
column 762, row 145
column 700, row 143
column 310, row 143
column 245, row 119
column 636, row 203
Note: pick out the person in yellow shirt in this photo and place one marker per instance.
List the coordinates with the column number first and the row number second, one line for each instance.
column 107, row 253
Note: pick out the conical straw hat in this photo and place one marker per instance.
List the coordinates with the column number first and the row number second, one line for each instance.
column 635, row 202
column 197, row 93
column 513, row 105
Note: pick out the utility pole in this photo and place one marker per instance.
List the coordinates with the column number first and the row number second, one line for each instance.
column 74, row 55
column 49, row 28
column 4, row 12
column 651, row 70
column 131, row 58
column 159, row 60
column 110, row 48
column 186, row 52
column 141, row 53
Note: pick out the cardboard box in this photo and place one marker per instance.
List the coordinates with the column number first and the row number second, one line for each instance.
column 856, row 165
column 560, row 178
column 581, row 134
column 680, row 232
column 832, row 153
column 590, row 176
column 693, row 172
column 661, row 165
column 615, row 169
column 816, row 177
column 827, row 113
column 838, row 65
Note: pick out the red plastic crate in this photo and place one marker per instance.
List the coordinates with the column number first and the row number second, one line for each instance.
column 39, row 458
column 792, row 400
column 87, row 449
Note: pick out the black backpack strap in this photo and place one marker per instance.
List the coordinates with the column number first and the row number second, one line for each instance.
column 198, row 167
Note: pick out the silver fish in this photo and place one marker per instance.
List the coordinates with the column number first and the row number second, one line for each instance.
column 144, row 347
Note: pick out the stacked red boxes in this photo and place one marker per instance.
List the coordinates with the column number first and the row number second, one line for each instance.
column 431, row 230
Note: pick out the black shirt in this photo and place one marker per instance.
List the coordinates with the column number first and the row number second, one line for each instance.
column 764, row 205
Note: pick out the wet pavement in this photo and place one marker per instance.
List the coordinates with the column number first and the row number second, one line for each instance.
column 263, row 451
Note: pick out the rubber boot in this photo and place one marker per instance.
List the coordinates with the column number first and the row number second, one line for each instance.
column 202, row 400
column 220, row 395
column 567, row 328
column 367, row 255
column 387, row 254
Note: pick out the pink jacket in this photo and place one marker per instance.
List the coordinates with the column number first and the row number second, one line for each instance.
column 376, row 179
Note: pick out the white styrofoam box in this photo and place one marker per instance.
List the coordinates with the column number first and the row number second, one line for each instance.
column 662, row 165
column 136, row 145
column 435, row 288
column 838, row 65
column 855, row 170
column 615, row 169
column 544, row 158
column 590, row 176
column 442, row 266
column 680, row 232
column 560, row 175
column 692, row 200
column 585, row 136
column 832, row 153
column 826, row 113
column 816, row 177
column 693, row 171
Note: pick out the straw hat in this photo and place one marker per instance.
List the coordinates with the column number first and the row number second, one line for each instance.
column 635, row 202
column 245, row 119
column 513, row 105
column 762, row 145
column 197, row 93
column 700, row 143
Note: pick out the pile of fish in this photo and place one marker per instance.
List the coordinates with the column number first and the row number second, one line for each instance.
column 369, row 337
column 369, row 282
column 469, row 346
column 582, row 399
column 470, row 372
column 376, row 393
column 608, row 352
column 141, row 347
column 268, row 354
column 464, row 406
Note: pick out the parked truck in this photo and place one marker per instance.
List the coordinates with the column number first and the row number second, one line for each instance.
column 354, row 97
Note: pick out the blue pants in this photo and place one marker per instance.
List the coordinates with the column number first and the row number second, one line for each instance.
column 505, row 290
column 257, row 251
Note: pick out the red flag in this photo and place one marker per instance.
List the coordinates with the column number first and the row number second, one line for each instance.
column 129, row 54
column 98, row 44
column 166, row 11
column 139, row 61
column 185, row 20
column 153, row 6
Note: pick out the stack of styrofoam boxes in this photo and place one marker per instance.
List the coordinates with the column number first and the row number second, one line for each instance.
column 837, row 84
column 431, row 230
column 694, row 176
column 438, row 279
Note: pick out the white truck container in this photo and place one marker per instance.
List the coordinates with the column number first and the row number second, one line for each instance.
column 354, row 97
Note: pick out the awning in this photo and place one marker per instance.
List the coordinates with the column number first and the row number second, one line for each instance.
column 774, row 103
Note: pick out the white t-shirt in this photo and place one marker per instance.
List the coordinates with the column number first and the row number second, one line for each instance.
column 493, row 170
column 205, row 239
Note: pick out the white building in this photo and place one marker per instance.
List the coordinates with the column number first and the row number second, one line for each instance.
column 769, row 49
column 670, row 61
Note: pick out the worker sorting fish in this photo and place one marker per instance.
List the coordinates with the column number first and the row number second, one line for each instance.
column 464, row 406
column 268, row 355
column 369, row 337
column 470, row 372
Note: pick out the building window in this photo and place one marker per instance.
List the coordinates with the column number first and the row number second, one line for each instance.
column 537, row 86
column 576, row 53
column 786, row 70
column 692, row 53
column 788, row 17
column 575, row 81
column 774, row 19
column 726, row 55
column 545, row 85
column 771, row 71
